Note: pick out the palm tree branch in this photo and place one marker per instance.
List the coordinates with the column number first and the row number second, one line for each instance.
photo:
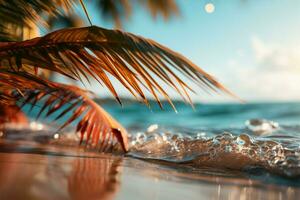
column 98, row 130
column 15, row 82
column 98, row 52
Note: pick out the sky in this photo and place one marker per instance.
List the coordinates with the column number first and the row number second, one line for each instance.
column 251, row 46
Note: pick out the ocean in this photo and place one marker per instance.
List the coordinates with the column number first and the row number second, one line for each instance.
column 254, row 142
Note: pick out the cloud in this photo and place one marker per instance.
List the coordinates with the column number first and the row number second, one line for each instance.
column 276, row 56
column 270, row 73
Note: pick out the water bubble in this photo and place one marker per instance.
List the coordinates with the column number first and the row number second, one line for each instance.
column 152, row 128
column 246, row 139
column 174, row 137
column 36, row 126
column 180, row 136
column 258, row 151
column 261, row 126
column 277, row 160
column 215, row 142
column 240, row 141
column 251, row 152
column 165, row 137
column 200, row 135
column 141, row 137
column 228, row 149
column 56, row 136
column 212, row 152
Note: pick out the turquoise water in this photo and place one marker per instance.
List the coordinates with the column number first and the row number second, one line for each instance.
column 204, row 115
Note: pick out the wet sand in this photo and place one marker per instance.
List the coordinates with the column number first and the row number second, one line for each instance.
column 32, row 171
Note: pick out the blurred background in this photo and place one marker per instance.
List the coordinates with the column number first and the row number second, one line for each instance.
column 252, row 47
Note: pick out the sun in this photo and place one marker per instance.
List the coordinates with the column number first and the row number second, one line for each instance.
column 209, row 8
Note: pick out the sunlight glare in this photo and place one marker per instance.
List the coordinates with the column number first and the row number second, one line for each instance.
column 209, row 8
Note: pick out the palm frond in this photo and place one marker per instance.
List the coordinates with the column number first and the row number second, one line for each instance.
column 166, row 8
column 21, row 18
column 121, row 10
column 11, row 85
column 5, row 36
column 92, row 51
column 24, row 11
column 64, row 20
column 98, row 130
column 16, row 82
column 11, row 114
column 115, row 10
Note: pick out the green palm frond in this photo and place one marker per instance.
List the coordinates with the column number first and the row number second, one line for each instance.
column 92, row 51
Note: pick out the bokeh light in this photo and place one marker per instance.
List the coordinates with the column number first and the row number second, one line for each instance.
column 209, row 8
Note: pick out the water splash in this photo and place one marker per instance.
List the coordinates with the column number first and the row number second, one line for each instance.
column 277, row 154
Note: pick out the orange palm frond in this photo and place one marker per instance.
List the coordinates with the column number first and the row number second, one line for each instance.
column 97, row 128
column 22, row 11
column 12, row 82
column 11, row 114
column 97, row 52
column 5, row 35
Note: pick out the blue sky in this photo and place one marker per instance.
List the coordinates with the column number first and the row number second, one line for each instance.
column 251, row 46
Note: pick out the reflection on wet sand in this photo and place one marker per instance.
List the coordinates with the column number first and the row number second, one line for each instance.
column 35, row 176
column 174, row 182
column 94, row 178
